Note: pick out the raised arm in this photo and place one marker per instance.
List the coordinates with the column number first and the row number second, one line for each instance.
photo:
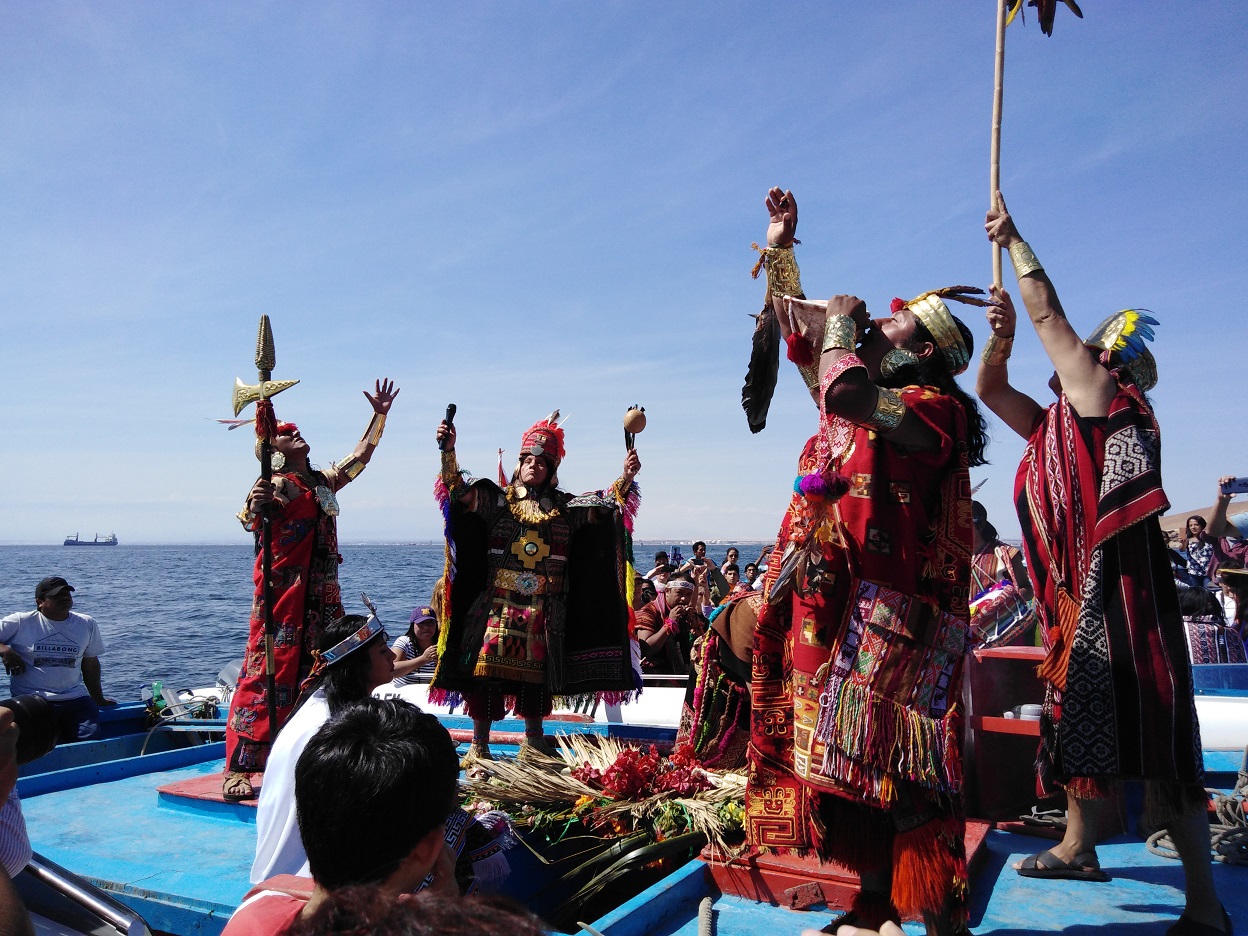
column 350, row 467
column 852, row 394
column 784, row 280
column 1219, row 526
column 1087, row 385
column 452, row 477
column 992, row 384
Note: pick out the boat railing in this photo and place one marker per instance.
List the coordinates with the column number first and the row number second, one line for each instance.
column 87, row 896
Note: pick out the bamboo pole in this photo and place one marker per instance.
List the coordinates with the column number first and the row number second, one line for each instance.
column 994, row 174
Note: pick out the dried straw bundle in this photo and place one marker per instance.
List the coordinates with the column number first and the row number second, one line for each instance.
column 545, row 782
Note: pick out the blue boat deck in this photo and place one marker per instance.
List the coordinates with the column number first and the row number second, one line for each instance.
column 1144, row 898
column 185, row 864
column 184, row 871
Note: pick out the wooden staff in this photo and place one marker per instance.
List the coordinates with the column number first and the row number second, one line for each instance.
column 264, row 389
column 994, row 173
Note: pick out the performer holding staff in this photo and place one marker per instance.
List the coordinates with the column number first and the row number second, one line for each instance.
column 1119, row 698
column 301, row 508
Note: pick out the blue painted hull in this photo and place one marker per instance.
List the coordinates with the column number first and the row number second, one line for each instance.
column 185, row 864
column 1144, row 898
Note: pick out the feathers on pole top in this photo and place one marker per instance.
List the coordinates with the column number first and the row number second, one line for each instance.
column 1046, row 10
column 266, row 355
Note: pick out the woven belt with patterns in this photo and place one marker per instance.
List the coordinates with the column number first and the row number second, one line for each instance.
column 523, row 583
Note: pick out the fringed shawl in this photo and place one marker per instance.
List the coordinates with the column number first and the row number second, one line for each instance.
column 1119, row 698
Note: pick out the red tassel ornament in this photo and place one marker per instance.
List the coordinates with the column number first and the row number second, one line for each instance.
column 799, row 352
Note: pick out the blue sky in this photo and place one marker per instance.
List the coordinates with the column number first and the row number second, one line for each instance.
column 518, row 207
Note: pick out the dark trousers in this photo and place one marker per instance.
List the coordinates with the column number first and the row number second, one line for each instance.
column 76, row 719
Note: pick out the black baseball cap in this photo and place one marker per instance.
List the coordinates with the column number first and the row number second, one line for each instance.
column 52, row 585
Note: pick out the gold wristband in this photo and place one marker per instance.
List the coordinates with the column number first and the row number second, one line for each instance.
column 997, row 350
column 1024, row 260
column 376, row 426
column 839, row 332
column 783, row 276
column 810, row 375
column 246, row 517
column 888, row 413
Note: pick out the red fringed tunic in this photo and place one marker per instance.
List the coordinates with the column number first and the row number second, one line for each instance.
column 1088, row 493
column 306, row 597
column 857, row 671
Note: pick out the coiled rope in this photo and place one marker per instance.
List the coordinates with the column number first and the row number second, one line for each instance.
column 1228, row 833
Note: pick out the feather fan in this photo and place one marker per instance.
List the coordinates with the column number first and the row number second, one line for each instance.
column 764, row 369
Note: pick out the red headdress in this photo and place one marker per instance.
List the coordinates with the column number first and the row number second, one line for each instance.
column 267, row 425
column 545, row 440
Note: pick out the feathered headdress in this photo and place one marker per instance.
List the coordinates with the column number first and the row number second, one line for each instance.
column 544, row 439
column 1121, row 340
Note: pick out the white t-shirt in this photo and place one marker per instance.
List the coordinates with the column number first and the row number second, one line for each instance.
column 52, row 651
column 279, row 848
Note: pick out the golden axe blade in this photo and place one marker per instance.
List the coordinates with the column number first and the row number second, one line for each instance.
column 246, row 394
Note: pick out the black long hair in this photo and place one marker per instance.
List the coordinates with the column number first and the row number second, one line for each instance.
column 979, row 517
column 934, row 372
column 347, row 680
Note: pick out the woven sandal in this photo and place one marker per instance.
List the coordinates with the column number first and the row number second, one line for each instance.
column 476, row 752
column 236, row 787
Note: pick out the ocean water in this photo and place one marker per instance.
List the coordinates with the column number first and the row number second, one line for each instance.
column 179, row 613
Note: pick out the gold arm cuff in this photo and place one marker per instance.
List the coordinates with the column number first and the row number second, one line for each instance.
column 997, row 350
column 810, row 374
column 620, row 489
column 376, row 426
column 839, row 332
column 351, row 466
column 889, row 411
column 1024, row 259
column 246, row 518
column 451, row 475
column 783, row 276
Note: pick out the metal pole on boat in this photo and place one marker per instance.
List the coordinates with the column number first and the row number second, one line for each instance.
column 266, row 429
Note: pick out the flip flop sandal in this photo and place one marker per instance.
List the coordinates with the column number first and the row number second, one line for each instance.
column 1186, row 927
column 1045, row 818
column 1084, row 867
column 236, row 787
